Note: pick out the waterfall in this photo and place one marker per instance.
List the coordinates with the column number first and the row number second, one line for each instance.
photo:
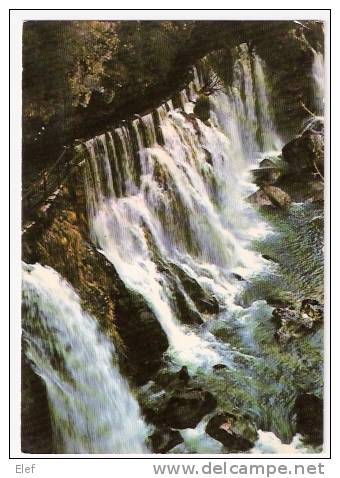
column 244, row 113
column 314, row 121
column 242, row 97
column 92, row 409
column 318, row 73
column 269, row 137
column 180, row 200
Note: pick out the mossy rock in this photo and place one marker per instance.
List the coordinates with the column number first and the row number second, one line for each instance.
column 236, row 433
column 202, row 108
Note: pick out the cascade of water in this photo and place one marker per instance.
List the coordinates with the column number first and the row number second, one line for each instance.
column 185, row 103
column 150, row 132
column 170, row 105
column 244, row 98
column 91, row 407
column 269, row 138
column 318, row 72
column 188, row 209
column 196, row 80
column 244, row 113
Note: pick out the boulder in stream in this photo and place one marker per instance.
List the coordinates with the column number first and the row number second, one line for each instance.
column 234, row 432
column 293, row 324
column 308, row 409
column 219, row 366
column 305, row 153
column 173, row 380
column 312, row 310
column 259, row 198
column 164, row 439
column 142, row 334
column 266, row 176
column 185, row 409
column 238, row 277
column 270, row 196
column 277, row 196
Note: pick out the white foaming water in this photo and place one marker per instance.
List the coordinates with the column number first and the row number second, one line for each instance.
column 182, row 202
column 91, row 406
column 269, row 443
column 197, row 441
column 270, row 138
column 318, row 72
column 243, row 98
column 251, row 128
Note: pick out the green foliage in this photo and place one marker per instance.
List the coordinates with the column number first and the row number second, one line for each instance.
column 70, row 64
column 62, row 64
column 145, row 57
column 221, row 62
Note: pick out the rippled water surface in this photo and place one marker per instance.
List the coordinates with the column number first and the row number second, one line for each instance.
column 295, row 249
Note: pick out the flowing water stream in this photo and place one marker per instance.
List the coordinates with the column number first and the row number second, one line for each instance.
column 92, row 409
column 182, row 198
column 169, row 188
column 318, row 74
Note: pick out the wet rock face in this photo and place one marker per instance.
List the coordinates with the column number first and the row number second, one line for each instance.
column 176, row 400
column 202, row 107
column 309, row 418
column 238, row 277
column 312, row 310
column 270, row 196
column 294, row 324
column 269, row 258
column 174, row 380
column 259, row 198
column 204, row 303
column 177, row 403
column 187, row 313
column 164, row 439
column 36, row 425
column 187, row 408
column 143, row 337
column 219, row 366
column 278, row 197
column 235, row 433
column 264, row 176
column 270, row 170
column 189, row 299
column 305, row 153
